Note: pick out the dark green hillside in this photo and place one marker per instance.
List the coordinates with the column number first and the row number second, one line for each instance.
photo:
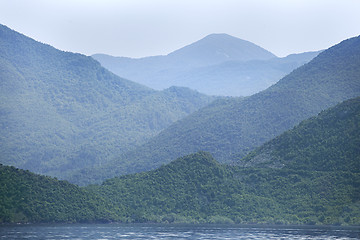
column 28, row 197
column 61, row 111
column 230, row 128
column 320, row 184
column 328, row 142
column 197, row 189
column 194, row 189
column 312, row 176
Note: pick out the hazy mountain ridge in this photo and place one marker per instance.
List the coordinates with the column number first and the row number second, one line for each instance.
column 230, row 128
column 314, row 186
column 238, row 78
column 307, row 189
column 62, row 111
column 218, row 64
column 191, row 189
column 217, row 48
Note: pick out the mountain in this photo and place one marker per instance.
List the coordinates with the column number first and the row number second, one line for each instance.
column 61, row 111
column 218, row 64
column 327, row 142
column 238, row 78
column 307, row 175
column 217, row 48
column 212, row 49
column 28, row 197
column 197, row 189
column 230, row 128
column 191, row 189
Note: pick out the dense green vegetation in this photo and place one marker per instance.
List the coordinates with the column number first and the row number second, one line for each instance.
column 28, row 197
column 61, row 111
column 192, row 189
column 218, row 64
column 327, row 142
column 320, row 186
column 197, row 189
column 230, row 128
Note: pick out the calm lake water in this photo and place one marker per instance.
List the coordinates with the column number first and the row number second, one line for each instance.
column 162, row 231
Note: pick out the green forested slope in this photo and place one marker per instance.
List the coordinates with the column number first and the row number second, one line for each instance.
column 61, row 111
column 192, row 189
column 230, row 128
column 310, row 175
column 28, row 197
column 327, row 142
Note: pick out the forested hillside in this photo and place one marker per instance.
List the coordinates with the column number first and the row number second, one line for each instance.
column 305, row 176
column 61, row 111
column 230, row 128
column 28, row 197
column 327, row 142
column 192, row 189
column 197, row 189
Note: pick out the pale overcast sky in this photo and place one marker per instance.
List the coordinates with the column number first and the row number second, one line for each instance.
column 137, row 28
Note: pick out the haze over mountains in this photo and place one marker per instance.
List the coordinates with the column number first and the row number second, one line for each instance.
column 62, row 111
column 293, row 148
column 230, row 128
column 312, row 175
column 218, row 64
column 311, row 179
column 66, row 116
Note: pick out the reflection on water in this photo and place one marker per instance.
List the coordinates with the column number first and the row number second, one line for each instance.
column 162, row 231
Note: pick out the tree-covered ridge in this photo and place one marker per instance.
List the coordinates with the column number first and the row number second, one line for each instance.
column 320, row 185
column 327, row 142
column 62, row 111
column 145, row 158
column 231, row 128
column 28, row 197
column 191, row 189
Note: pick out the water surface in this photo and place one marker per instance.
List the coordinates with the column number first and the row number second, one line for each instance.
column 168, row 231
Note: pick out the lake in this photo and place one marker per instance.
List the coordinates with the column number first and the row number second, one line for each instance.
column 169, row 231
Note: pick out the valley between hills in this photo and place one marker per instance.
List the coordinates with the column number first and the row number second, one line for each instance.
column 81, row 141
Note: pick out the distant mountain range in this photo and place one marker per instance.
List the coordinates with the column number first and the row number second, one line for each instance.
column 61, row 111
column 230, row 128
column 312, row 177
column 286, row 155
column 218, row 64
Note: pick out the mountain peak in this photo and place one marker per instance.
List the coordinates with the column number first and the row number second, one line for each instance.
column 228, row 130
column 220, row 47
column 199, row 159
column 63, row 97
column 219, row 36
